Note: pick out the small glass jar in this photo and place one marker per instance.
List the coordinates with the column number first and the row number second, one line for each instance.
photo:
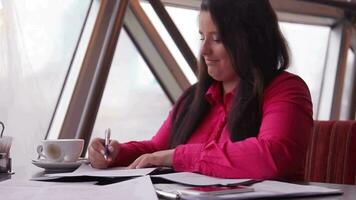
column 5, row 163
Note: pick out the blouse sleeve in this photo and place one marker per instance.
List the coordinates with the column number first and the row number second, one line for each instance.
column 278, row 152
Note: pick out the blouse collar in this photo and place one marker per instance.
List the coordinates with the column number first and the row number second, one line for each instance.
column 214, row 94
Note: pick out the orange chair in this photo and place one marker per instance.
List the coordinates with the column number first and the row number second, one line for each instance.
column 331, row 157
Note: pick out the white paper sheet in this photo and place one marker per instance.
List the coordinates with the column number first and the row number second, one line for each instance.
column 189, row 178
column 271, row 189
column 139, row 188
column 87, row 170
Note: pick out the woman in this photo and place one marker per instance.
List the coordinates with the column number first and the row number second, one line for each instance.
column 245, row 118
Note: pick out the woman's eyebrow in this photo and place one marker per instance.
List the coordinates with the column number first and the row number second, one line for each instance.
column 211, row 32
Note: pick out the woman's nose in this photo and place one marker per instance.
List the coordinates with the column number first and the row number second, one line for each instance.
column 205, row 48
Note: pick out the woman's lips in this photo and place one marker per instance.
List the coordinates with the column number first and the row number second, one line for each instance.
column 211, row 62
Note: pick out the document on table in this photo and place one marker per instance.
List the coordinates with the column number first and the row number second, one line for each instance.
column 195, row 179
column 87, row 170
column 137, row 189
column 269, row 189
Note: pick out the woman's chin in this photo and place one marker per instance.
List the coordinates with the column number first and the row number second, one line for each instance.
column 215, row 77
column 213, row 73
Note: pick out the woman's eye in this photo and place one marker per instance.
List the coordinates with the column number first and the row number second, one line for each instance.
column 216, row 39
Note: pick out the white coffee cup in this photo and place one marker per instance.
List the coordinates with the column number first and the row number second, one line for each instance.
column 61, row 150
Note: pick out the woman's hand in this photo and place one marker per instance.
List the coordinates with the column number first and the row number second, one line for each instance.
column 97, row 151
column 159, row 158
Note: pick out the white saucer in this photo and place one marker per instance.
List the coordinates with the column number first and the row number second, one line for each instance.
column 58, row 166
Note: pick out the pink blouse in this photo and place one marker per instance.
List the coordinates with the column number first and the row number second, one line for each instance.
column 278, row 152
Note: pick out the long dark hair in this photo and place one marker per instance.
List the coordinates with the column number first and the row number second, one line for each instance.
column 250, row 32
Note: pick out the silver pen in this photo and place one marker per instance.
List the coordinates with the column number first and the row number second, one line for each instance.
column 107, row 142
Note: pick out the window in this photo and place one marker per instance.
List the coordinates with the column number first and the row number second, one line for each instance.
column 346, row 102
column 190, row 33
column 37, row 43
column 308, row 44
column 133, row 104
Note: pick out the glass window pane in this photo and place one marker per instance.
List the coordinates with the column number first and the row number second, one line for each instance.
column 37, row 42
column 133, row 105
column 73, row 74
column 191, row 28
column 308, row 45
column 346, row 104
column 188, row 22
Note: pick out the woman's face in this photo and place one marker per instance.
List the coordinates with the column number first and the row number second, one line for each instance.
column 213, row 51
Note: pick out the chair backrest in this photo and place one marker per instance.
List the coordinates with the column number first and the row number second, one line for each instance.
column 331, row 156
